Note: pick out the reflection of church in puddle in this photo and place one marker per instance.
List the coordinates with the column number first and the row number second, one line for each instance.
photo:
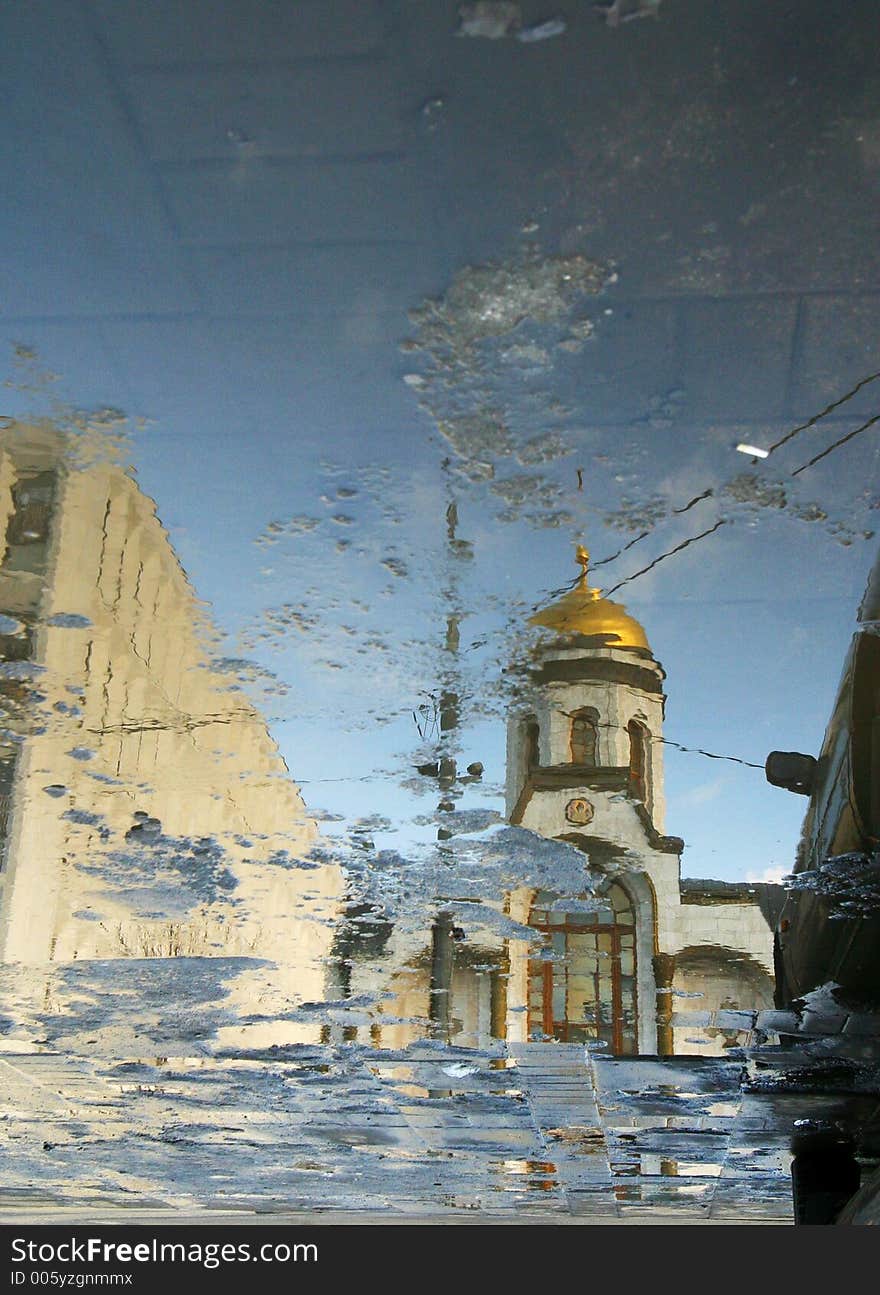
column 147, row 815
column 645, row 962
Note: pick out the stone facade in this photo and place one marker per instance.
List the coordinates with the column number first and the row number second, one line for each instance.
column 128, row 744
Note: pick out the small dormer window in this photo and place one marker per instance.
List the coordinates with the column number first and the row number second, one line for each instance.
column 585, row 737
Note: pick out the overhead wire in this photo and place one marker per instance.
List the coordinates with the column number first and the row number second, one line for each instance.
column 710, row 755
column 709, row 491
column 668, row 554
column 823, row 413
column 837, row 444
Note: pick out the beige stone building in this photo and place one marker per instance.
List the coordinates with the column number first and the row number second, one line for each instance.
column 147, row 813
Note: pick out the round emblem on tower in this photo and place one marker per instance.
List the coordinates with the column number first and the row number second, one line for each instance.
column 579, row 812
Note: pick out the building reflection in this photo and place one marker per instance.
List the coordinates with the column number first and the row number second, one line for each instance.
column 146, row 812
column 146, row 815
column 640, row 961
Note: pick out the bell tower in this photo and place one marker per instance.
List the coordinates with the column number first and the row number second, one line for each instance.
column 596, row 726
column 585, row 764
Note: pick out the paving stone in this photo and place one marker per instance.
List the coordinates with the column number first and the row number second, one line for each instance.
column 224, row 31
column 351, row 281
column 729, row 336
column 304, row 201
column 291, row 112
column 837, row 350
column 630, row 365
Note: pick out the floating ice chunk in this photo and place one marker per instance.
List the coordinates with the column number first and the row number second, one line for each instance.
column 620, row 11
column 542, row 31
column 491, row 19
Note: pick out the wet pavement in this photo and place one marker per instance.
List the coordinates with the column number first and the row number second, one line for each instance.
column 438, row 463
column 534, row 1132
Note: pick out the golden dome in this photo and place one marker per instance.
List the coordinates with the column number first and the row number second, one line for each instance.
column 584, row 611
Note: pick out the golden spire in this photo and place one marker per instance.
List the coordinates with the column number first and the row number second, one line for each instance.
column 584, row 612
column 582, row 557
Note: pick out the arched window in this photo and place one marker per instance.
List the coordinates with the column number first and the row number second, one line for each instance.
column 533, row 737
column 639, row 738
column 584, row 737
column 582, row 984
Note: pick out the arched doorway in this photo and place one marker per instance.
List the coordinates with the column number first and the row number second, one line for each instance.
column 582, row 983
